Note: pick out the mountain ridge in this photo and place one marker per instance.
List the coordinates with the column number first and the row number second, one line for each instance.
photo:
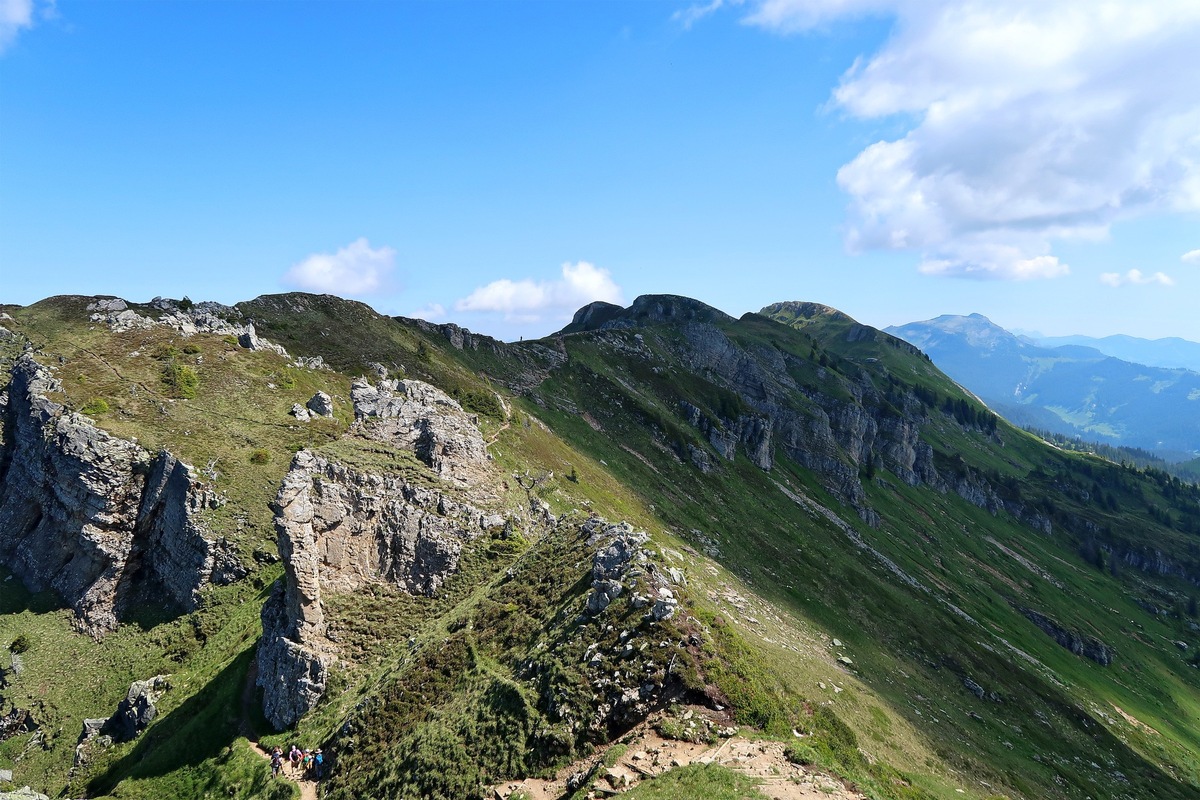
column 827, row 539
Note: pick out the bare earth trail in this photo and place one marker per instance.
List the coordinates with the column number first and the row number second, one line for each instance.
column 649, row 754
column 308, row 789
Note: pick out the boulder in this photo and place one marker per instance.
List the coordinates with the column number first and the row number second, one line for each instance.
column 24, row 793
column 137, row 710
column 321, row 404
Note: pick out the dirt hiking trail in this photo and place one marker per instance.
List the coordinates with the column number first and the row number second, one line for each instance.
column 649, row 754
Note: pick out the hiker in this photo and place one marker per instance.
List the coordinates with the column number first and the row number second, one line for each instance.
column 307, row 761
column 294, row 760
column 276, row 762
column 319, row 764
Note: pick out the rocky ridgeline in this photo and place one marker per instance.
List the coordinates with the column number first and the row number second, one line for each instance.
column 629, row 672
column 341, row 529
column 92, row 516
column 189, row 320
column 835, row 435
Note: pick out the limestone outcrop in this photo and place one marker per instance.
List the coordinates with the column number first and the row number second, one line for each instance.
column 341, row 529
column 187, row 319
column 96, row 518
column 417, row 416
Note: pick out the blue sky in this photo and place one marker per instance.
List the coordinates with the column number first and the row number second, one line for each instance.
column 498, row 164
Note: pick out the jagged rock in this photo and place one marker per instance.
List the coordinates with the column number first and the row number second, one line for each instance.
column 92, row 728
column 5, row 333
column 293, row 675
column 93, row 517
column 1079, row 644
column 339, row 530
column 974, row 688
column 111, row 304
column 321, row 404
column 250, row 340
column 137, row 710
column 24, row 793
column 16, row 722
column 415, row 415
column 621, row 546
column 310, row 362
column 300, row 412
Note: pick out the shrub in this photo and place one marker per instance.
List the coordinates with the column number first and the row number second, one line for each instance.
column 181, row 380
column 19, row 644
column 191, row 349
column 97, row 405
column 260, row 456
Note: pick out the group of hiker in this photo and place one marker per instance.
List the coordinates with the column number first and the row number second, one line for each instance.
column 297, row 763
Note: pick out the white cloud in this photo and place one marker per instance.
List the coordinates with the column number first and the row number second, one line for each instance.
column 1137, row 277
column 1028, row 122
column 354, row 269
column 687, row 17
column 14, row 15
column 434, row 312
column 526, row 300
column 1191, row 256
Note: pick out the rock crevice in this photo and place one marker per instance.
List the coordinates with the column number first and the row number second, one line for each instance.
column 96, row 518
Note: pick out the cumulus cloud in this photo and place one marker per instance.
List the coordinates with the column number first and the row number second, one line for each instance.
column 1136, row 277
column 354, row 269
column 527, row 300
column 1191, row 256
column 1027, row 123
column 14, row 16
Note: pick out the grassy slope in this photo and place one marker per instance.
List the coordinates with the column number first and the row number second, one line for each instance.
column 909, row 649
column 903, row 700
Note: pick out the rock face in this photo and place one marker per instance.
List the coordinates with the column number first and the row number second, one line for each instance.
column 423, row 418
column 339, row 530
column 96, row 518
column 841, row 432
column 1077, row 643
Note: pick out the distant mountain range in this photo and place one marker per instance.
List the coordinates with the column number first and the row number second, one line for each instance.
column 1073, row 388
column 1169, row 352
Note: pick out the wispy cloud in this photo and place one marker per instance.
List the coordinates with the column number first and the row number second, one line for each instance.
column 355, row 269
column 528, row 300
column 1027, row 123
column 1136, row 277
column 15, row 15
column 687, row 17
column 1191, row 256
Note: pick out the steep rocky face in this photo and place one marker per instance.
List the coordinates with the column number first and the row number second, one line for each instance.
column 94, row 517
column 340, row 529
column 832, row 435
